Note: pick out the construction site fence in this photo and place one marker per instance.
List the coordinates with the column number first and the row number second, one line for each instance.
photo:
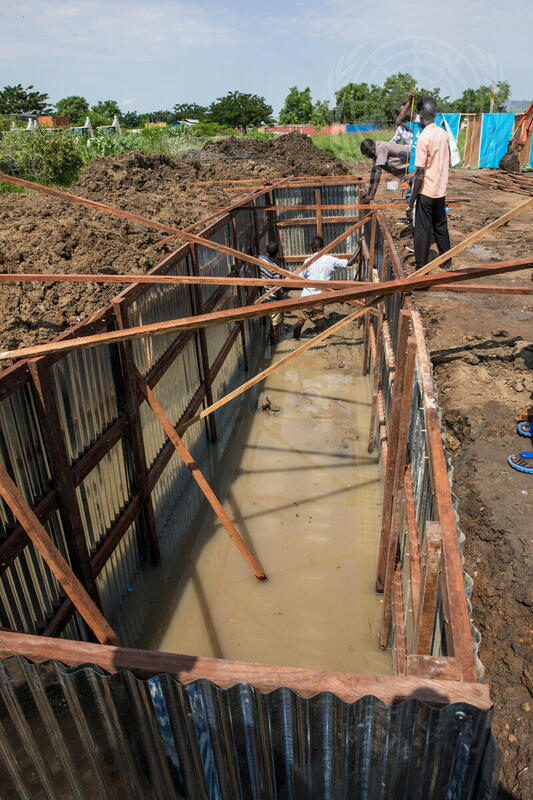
column 81, row 733
column 96, row 436
column 386, row 265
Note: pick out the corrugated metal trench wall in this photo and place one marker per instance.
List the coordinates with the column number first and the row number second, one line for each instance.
column 78, row 733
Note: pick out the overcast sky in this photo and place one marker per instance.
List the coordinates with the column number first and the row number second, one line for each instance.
column 153, row 54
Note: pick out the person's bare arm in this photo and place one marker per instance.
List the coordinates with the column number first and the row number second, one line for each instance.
column 406, row 108
column 353, row 259
column 404, row 113
column 375, row 177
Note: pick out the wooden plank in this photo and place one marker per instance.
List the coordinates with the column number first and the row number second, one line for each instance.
column 398, row 204
column 400, row 647
column 202, row 342
column 415, row 282
column 294, row 178
column 273, row 367
column 433, row 667
column 366, row 344
column 429, row 587
column 168, row 450
column 392, row 535
column 375, row 381
column 481, row 289
column 229, row 281
column 412, row 543
column 17, row 540
column 240, row 296
column 224, row 673
column 198, row 476
column 170, row 280
column 388, row 485
column 475, row 237
column 132, row 217
column 55, row 561
column 326, row 249
column 67, row 499
column 13, row 378
column 318, row 211
column 457, row 620
column 372, row 243
column 129, row 373
column 104, row 552
column 105, row 442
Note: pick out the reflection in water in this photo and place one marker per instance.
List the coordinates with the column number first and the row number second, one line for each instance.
column 306, row 498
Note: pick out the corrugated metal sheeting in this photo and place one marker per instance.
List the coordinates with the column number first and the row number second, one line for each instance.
column 418, row 459
column 28, row 590
column 89, row 394
column 296, row 240
column 79, row 734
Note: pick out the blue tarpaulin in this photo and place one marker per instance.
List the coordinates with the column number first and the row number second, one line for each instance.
column 453, row 122
column 416, row 127
column 367, row 126
column 496, row 130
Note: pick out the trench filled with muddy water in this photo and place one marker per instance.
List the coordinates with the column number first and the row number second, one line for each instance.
column 305, row 495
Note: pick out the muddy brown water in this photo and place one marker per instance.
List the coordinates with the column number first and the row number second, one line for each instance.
column 306, row 497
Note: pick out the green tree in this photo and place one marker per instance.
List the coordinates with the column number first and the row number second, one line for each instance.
column 107, row 110
column 298, row 107
column 162, row 116
column 17, row 100
column 358, row 102
column 74, row 107
column 239, row 108
column 131, row 119
column 190, row 111
column 477, row 101
column 321, row 114
column 395, row 90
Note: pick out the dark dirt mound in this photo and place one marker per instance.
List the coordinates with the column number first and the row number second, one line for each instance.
column 40, row 234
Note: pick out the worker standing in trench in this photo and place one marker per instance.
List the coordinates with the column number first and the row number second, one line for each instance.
column 268, row 272
column 322, row 269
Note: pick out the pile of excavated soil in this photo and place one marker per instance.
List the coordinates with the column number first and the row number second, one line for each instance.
column 482, row 351
column 42, row 234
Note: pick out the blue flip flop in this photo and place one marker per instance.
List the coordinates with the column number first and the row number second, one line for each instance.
column 525, row 429
column 514, row 461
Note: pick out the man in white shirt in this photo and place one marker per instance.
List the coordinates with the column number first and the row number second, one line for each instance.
column 322, row 269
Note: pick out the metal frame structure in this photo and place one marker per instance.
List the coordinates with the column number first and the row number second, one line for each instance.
column 426, row 613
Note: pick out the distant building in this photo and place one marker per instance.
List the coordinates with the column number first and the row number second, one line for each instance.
column 49, row 121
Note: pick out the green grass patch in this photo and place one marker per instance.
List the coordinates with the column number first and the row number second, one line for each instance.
column 347, row 146
column 57, row 158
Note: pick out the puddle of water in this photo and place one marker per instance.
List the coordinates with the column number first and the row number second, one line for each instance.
column 306, row 498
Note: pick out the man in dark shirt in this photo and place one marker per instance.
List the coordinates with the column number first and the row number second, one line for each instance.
column 267, row 272
column 387, row 156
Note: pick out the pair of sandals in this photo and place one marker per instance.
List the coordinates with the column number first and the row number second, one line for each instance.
column 523, row 462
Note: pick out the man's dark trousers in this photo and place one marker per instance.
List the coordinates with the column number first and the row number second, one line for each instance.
column 430, row 216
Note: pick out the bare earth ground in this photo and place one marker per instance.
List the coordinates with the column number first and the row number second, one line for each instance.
column 481, row 345
column 482, row 351
column 42, row 234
